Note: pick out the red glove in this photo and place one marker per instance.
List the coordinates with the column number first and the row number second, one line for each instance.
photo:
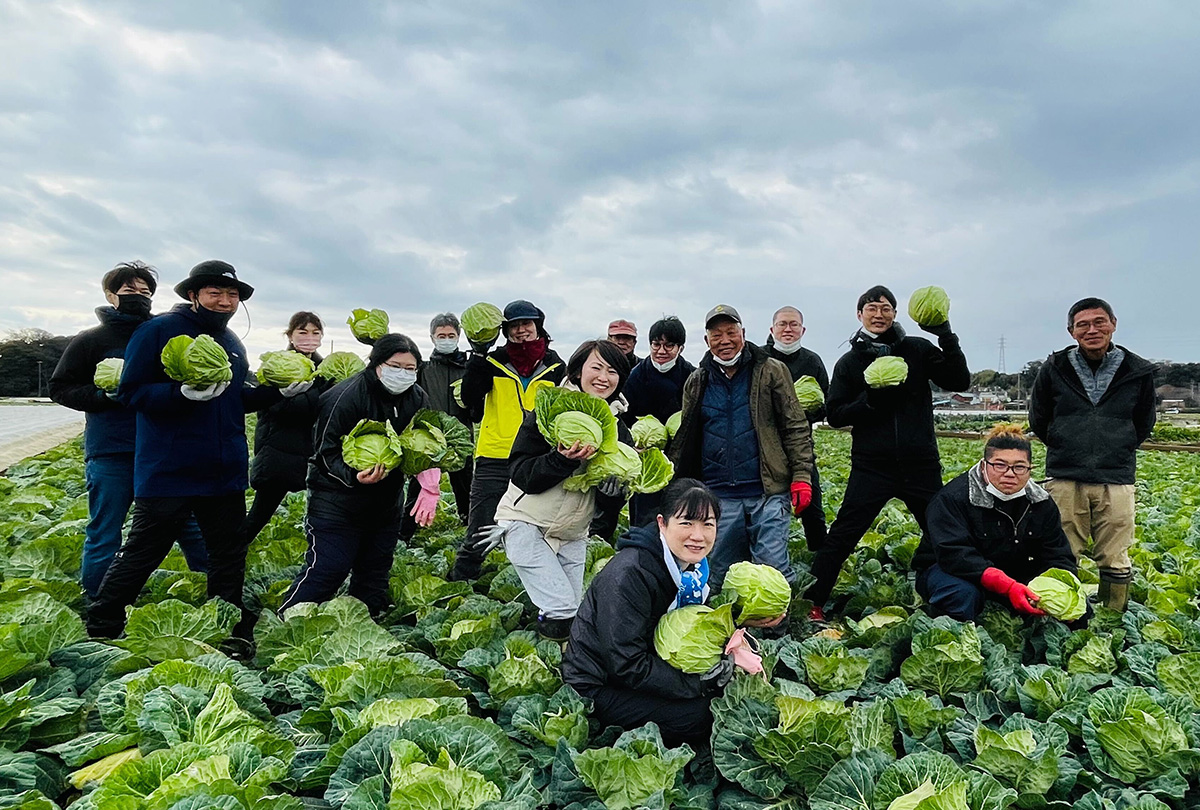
column 801, row 496
column 1022, row 599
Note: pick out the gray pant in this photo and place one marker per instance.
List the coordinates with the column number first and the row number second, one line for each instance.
column 554, row 581
column 752, row 529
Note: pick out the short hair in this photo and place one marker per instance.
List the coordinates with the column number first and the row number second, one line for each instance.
column 775, row 317
column 445, row 319
column 1088, row 303
column 389, row 344
column 874, row 294
column 610, row 352
column 304, row 319
column 669, row 329
column 689, row 499
column 125, row 272
column 1006, row 436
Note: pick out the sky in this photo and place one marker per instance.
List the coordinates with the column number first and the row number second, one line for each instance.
column 617, row 159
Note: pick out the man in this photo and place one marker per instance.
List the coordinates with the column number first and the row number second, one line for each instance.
column 655, row 386
column 624, row 334
column 190, row 455
column 893, row 452
column 787, row 327
column 108, row 437
column 743, row 433
column 1092, row 404
column 499, row 388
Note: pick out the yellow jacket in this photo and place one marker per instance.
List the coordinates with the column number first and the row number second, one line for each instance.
column 505, row 405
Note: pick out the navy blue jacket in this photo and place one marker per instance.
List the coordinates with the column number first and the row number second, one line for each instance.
column 187, row 448
column 110, row 425
column 650, row 392
column 729, row 459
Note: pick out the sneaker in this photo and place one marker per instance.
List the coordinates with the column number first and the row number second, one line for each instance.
column 554, row 629
column 817, row 614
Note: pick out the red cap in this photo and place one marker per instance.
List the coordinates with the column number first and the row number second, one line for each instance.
column 622, row 327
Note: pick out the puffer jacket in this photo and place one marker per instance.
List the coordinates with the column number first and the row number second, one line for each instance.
column 493, row 392
column 283, row 438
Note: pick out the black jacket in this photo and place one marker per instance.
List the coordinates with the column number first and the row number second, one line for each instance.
column 437, row 376
column 803, row 363
column 651, row 392
column 283, row 439
column 111, row 428
column 970, row 531
column 612, row 639
column 342, row 406
column 1086, row 442
column 894, row 426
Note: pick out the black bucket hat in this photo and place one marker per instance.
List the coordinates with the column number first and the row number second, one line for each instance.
column 213, row 273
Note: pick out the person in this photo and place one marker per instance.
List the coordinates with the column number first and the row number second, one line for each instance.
column 544, row 527
column 610, row 658
column 744, row 434
column 624, row 334
column 283, row 435
column 787, row 328
column 991, row 531
column 110, row 426
column 499, row 388
column 893, row 451
column 440, row 377
column 190, row 455
column 655, row 388
column 353, row 517
column 1092, row 405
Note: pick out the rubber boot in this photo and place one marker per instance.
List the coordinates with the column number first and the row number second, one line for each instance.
column 1114, row 589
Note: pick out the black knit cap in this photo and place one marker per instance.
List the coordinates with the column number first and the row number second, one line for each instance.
column 213, row 273
column 391, row 343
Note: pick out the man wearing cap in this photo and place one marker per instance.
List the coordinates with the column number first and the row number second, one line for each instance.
column 499, row 388
column 624, row 334
column 744, row 434
column 190, row 452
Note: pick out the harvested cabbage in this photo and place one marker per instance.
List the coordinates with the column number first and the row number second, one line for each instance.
column 1060, row 594
column 673, row 423
column 692, row 638
column 340, row 365
column 648, row 432
column 574, row 426
column 929, row 306
column 553, row 402
column 283, row 368
column 370, row 443
column 198, row 362
column 368, row 324
column 624, row 463
column 481, row 322
column 886, row 371
column 809, row 392
column 760, row 591
column 657, row 472
column 108, row 374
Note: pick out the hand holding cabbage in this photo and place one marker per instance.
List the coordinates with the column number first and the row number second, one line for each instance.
column 1060, row 594
column 481, row 322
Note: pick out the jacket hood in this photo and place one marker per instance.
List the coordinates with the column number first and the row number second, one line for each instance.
column 979, row 495
column 642, row 537
column 881, row 345
column 458, row 359
column 109, row 316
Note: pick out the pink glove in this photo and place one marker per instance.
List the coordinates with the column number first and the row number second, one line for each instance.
column 427, row 500
column 744, row 656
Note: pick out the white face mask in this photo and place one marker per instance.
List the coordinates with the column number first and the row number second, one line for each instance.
column 788, row 348
column 732, row 361
column 995, row 491
column 397, row 380
column 664, row 367
column 445, row 345
column 307, row 344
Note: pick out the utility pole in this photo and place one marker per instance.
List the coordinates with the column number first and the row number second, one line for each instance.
column 39, row 362
column 1000, row 367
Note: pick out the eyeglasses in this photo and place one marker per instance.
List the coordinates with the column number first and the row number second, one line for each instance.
column 1001, row 468
column 663, row 345
column 882, row 309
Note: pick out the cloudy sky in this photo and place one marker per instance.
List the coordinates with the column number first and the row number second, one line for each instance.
column 611, row 159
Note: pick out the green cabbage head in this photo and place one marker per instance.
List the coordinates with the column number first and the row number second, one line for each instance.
column 692, row 638
column 108, row 374
column 283, row 368
column 422, row 446
column 809, row 392
column 1060, row 594
column 886, row 371
column 760, row 591
column 368, row 324
column 657, row 472
column 673, row 423
column 649, row 432
column 553, row 402
column 460, row 447
column 929, row 306
column 482, row 322
column 340, row 365
column 199, row 362
column 369, row 443
column 575, row 426
column 624, row 463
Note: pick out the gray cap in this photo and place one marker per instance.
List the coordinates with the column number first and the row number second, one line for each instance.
column 722, row 311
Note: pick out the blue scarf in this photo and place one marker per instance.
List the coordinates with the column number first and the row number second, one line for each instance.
column 692, row 584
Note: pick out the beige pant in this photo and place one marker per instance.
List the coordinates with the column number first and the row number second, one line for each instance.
column 1100, row 513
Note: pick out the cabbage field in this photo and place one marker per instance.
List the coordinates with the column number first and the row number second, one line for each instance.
column 451, row 702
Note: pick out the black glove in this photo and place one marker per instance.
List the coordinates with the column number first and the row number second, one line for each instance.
column 612, row 487
column 716, row 678
column 886, row 398
column 481, row 347
column 939, row 329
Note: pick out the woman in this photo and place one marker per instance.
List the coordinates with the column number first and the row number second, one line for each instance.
column 544, row 527
column 991, row 530
column 611, row 658
column 283, row 435
column 354, row 516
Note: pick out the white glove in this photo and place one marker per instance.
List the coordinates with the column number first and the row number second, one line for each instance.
column 296, row 388
column 203, row 394
column 488, row 539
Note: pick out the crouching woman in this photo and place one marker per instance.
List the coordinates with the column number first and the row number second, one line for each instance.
column 611, row 658
column 991, row 530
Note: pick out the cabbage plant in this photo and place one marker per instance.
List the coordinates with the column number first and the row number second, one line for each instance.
column 657, row 471
column 624, row 463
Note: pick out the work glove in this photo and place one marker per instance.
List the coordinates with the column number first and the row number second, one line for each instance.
column 481, row 347
column 801, row 496
column 613, row 487
column 488, row 539
column 713, row 681
column 203, row 394
column 1019, row 596
column 940, row 329
column 425, row 508
column 296, row 388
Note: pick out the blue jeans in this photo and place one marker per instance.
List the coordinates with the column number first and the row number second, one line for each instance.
column 110, row 494
column 948, row 595
column 754, row 529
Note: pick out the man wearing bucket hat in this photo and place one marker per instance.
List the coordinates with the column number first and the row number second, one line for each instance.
column 624, row 334
column 190, row 454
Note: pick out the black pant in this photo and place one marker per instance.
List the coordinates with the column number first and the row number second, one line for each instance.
column 487, row 488
column 870, row 487
column 267, row 499
column 345, row 543
column 460, row 485
column 643, row 508
column 156, row 525
column 680, row 721
column 813, row 518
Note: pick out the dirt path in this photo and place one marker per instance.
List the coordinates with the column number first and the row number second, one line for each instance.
column 36, row 443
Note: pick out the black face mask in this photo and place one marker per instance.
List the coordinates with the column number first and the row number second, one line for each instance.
column 213, row 321
column 134, row 304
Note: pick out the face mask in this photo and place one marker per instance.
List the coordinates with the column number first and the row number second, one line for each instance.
column 445, row 345
column 397, row 380
column 995, row 492
column 306, row 344
column 212, row 321
column 788, row 348
column 727, row 363
column 134, row 304
column 664, row 367
column 867, row 334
